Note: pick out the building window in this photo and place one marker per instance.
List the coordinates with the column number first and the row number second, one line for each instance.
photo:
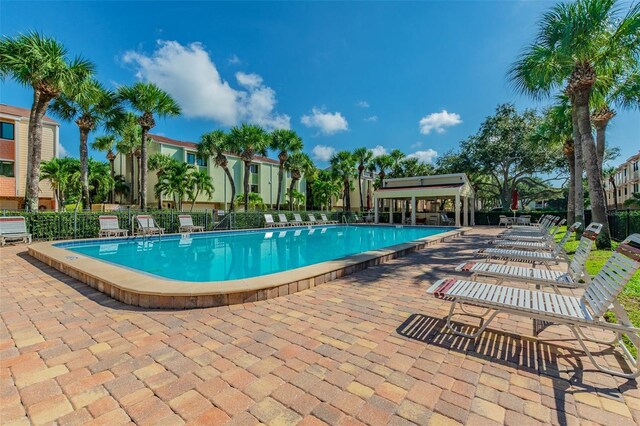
column 635, row 187
column 619, row 193
column 635, row 166
column 6, row 168
column 254, row 188
column 625, row 191
column 194, row 160
column 7, row 131
column 253, row 168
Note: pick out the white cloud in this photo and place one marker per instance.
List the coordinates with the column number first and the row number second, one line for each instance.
column 234, row 60
column 425, row 156
column 438, row 121
column 371, row 119
column 418, row 144
column 363, row 104
column 378, row 151
column 323, row 152
column 327, row 122
column 61, row 150
column 190, row 76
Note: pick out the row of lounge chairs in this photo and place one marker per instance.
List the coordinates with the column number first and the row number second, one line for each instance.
column 109, row 226
column 297, row 220
column 547, row 303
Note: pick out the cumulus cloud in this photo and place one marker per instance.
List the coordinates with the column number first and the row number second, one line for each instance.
column 327, row 122
column 191, row 77
column 425, row 156
column 363, row 104
column 323, row 152
column 438, row 121
column 234, row 60
column 418, row 144
column 371, row 119
column 378, row 150
column 61, row 150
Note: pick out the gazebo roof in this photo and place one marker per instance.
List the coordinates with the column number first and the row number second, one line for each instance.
column 448, row 185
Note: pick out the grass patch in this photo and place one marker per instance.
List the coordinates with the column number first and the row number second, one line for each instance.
column 629, row 298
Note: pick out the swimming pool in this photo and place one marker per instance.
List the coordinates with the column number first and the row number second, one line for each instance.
column 225, row 256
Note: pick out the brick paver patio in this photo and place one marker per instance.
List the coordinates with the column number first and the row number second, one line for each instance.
column 365, row 349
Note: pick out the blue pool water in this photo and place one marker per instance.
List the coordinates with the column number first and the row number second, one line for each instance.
column 244, row 254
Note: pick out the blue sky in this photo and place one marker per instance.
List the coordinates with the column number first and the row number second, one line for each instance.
column 419, row 77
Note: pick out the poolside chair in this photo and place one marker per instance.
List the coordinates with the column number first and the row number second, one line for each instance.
column 186, row 224
column 109, row 227
column 504, row 220
column 270, row 223
column 528, row 256
column 312, row 219
column 569, row 278
column 545, row 244
column 327, row 221
column 544, row 226
column 298, row 220
column 283, row 220
column 13, row 228
column 147, row 225
column 577, row 313
column 533, row 236
column 446, row 220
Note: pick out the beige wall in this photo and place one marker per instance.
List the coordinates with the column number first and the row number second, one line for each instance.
column 627, row 179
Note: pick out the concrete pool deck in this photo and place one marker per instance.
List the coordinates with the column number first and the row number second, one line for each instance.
column 139, row 289
column 368, row 348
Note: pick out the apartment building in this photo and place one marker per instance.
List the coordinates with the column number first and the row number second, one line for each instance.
column 627, row 181
column 14, row 128
column 263, row 180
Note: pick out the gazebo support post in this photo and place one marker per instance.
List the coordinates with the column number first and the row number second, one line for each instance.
column 413, row 211
column 465, row 209
column 457, row 209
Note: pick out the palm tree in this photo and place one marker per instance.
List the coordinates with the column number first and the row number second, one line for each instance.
column 343, row 165
column 215, row 144
column 380, row 165
column 100, row 181
column 41, row 63
column 159, row 163
column 396, row 157
column 199, row 182
column 298, row 164
column 254, row 199
column 174, row 182
column 107, row 143
column 130, row 134
column 90, row 105
column 148, row 100
column 363, row 156
column 325, row 188
column 610, row 174
column 248, row 140
column 285, row 141
column 58, row 172
column 120, row 186
column 578, row 43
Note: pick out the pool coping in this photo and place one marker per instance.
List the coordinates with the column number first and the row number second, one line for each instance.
column 147, row 291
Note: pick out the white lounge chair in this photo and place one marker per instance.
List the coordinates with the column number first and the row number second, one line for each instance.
column 298, row 220
column 13, row 228
column 545, row 244
column 534, row 236
column 270, row 223
column 504, row 220
column 528, row 256
column 446, row 220
column 576, row 313
column 186, row 224
column 147, row 225
column 109, row 227
column 283, row 220
column 568, row 278
column 312, row 219
column 325, row 220
column 544, row 228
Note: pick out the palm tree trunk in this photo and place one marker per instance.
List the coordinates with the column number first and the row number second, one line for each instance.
column 571, row 201
column 347, row 195
column 143, row 171
column 84, row 167
column 360, row 190
column 280, row 184
column 112, row 195
column 594, row 174
column 615, row 192
column 233, row 188
column 291, row 186
column 34, row 150
column 601, row 131
column 133, row 179
column 193, row 202
column 247, row 175
column 159, row 192
column 578, row 192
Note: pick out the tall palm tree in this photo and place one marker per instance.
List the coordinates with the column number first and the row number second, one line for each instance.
column 39, row 62
column 298, row 164
column 130, row 140
column 343, row 165
column 285, row 141
column 396, row 157
column 363, row 156
column 248, row 140
column 148, row 100
column 610, row 175
column 215, row 144
column 90, row 106
column 57, row 171
column 578, row 43
column 199, row 183
column 380, row 165
column 159, row 163
column 107, row 143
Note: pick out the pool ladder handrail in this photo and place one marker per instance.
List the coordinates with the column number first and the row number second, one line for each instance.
column 344, row 220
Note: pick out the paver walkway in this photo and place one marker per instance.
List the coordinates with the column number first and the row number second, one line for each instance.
column 362, row 349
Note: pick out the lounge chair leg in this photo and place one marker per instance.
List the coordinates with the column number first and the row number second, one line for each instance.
column 484, row 322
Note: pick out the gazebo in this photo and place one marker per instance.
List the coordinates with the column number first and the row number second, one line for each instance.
column 423, row 198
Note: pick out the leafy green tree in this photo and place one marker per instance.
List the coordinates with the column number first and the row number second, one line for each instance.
column 296, row 199
column 58, row 172
column 107, row 143
column 396, row 157
column 411, row 166
column 325, row 187
column 129, row 144
column 120, row 186
column 634, row 201
column 254, row 201
column 159, row 163
column 298, row 164
column 199, row 183
column 174, row 182
column 343, row 165
column 380, row 165
column 286, row 142
column 215, row 144
column 149, row 101
column 363, row 157
column 100, row 181
column 41, row 63
column 249, row 140
column 90, row 106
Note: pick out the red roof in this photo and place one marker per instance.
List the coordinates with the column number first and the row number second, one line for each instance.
column 22, row 113
column 192, row 145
